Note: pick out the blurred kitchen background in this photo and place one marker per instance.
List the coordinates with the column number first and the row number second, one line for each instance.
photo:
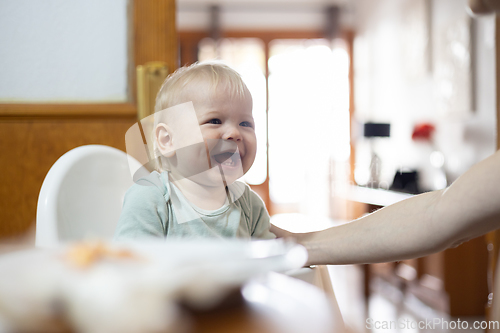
column 358, row 104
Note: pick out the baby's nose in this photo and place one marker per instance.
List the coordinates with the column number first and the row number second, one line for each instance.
column 232, row 133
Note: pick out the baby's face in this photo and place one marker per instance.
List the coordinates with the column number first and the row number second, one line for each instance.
column 228, row 133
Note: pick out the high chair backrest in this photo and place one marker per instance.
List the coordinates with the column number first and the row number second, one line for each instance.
column 82, row 195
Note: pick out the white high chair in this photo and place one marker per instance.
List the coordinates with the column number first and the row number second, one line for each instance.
column 82, row 195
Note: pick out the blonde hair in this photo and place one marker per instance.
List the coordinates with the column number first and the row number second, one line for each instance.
column 172, row 91
column 213, row 73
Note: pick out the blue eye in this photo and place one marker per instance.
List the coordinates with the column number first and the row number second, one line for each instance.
column 246, row 124
column 215, row 121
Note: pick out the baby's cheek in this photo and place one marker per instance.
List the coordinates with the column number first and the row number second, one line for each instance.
column 207, row 148
column 249, row 159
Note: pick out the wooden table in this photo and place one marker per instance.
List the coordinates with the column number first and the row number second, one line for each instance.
column 275, row 304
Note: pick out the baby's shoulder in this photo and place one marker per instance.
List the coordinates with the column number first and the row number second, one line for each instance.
column 241, row 192
column 148, row 187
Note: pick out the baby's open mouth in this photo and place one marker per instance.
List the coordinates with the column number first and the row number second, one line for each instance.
column 227, row 159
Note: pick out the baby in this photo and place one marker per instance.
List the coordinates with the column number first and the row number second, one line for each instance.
column 204, row 140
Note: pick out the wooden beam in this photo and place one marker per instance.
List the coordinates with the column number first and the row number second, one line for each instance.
column 481, row 7
column 67, row 110
column 264, row 35
column 155, row 37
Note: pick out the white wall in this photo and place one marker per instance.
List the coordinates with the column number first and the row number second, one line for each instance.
column 392, row 83
column 480, row 130
column 63, row 51
column 385, row 92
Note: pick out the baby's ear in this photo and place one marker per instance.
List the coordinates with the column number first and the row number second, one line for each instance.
column 164, row 141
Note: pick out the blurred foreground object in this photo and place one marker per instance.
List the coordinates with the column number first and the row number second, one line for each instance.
column 42, row 291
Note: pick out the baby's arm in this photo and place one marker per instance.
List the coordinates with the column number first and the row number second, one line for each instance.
column 142, row 213
column 418, row 226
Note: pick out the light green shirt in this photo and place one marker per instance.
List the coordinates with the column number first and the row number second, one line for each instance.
column 154, row 207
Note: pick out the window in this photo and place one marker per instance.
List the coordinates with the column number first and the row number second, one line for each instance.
column 247, row 57
column 306, row 93
column 308, row 121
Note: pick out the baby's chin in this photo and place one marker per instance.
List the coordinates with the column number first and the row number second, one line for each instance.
column 221, row 173
column 214, row 178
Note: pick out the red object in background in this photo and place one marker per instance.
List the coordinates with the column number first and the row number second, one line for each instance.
column 423, row 131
